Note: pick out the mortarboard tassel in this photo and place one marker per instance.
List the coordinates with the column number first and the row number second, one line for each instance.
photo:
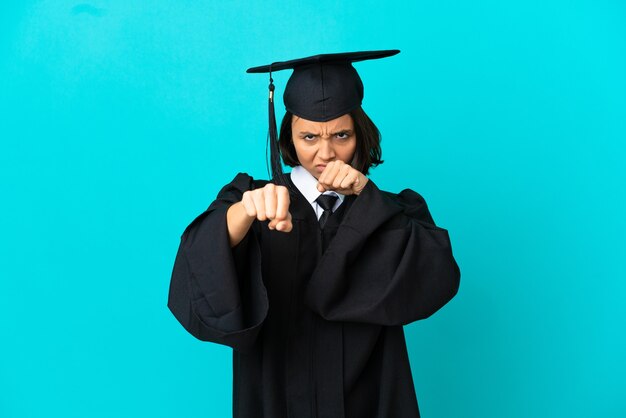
column 277, row 170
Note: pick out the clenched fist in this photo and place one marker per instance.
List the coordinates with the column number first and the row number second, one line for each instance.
column 342, row 178
column 270, row 202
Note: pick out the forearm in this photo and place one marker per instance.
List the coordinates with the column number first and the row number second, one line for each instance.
column 388, row 264
column 238, row 223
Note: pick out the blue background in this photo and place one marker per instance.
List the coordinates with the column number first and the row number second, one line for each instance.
column 120, row 121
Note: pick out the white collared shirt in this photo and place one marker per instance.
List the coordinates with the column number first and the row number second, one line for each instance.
column 307, row 184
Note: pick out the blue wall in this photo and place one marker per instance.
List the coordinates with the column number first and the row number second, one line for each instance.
column 120, row 121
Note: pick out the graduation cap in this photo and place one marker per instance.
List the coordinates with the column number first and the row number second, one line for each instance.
column 321, row 88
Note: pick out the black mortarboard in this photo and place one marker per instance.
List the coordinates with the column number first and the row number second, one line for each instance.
column 321, row 87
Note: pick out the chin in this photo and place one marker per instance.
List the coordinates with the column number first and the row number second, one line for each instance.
column 313, row 172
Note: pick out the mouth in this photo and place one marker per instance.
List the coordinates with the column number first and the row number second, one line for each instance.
column 320, row 167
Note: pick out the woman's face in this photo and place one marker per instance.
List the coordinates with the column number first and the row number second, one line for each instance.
column 318, row 143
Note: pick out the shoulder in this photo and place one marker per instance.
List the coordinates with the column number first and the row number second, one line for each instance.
column 412, row 204
column 241, row 183
column 406, row 198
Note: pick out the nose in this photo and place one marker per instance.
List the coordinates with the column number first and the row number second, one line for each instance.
column 326, row 151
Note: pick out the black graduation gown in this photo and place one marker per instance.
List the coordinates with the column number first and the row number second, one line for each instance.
column 316, row 332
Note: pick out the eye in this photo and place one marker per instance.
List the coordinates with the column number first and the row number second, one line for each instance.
column 343, row 135
column 308, row 137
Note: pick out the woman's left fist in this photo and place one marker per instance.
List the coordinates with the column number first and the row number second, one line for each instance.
column 342, row 178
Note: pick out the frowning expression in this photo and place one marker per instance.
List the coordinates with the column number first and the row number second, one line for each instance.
column 318, row 143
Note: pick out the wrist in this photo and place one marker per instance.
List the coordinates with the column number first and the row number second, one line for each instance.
column 362, row 183
column 238, row 211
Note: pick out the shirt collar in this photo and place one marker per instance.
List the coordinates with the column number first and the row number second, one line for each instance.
column 307, row 184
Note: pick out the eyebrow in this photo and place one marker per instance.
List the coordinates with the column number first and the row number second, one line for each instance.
column 347, row 131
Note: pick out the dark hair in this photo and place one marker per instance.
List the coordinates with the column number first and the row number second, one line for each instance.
column 366, row 155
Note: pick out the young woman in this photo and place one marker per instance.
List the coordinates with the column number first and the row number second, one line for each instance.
column 310, row 276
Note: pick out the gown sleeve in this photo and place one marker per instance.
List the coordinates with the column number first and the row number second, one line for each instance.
column 216, row 292
column 388, row 263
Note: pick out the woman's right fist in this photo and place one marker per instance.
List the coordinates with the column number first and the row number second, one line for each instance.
column 270, row 202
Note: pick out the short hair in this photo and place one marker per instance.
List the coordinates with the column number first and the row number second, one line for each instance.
column 366, row 155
